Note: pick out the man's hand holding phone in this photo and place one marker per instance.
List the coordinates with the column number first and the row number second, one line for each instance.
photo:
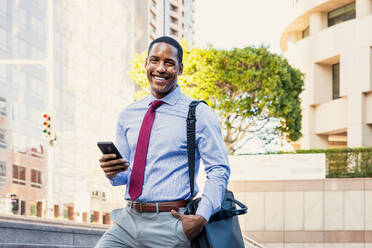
column 112, row 165
column 111, row 162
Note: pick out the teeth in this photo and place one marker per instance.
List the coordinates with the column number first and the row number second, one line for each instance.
column 159, row 78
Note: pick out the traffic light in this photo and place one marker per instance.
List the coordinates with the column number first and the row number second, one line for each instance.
column 46, row 125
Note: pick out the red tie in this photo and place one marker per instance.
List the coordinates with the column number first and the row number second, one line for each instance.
column 138, row 171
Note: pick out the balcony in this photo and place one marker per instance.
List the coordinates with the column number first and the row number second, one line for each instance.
column 331, row 117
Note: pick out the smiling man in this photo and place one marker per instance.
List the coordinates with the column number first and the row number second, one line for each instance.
column 151, row 137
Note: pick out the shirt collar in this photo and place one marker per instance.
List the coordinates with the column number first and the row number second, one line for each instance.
column 171, row 98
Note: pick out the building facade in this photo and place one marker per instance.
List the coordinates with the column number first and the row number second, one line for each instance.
column 69, row 60
column 331, row 42
column 174, row 18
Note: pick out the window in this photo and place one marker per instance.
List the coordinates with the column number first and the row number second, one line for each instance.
column 36, row 87
column 3, row 8
column 23, row 18
column 2, row 169
column 18, row 78
column 3, row 73
column 336, row 81
column 342, row 14
column 2, row 106
column 2, row 138
column 22, row 46
column 174, row 20
column 36, row 179
column 19, row 111
column 306, row 32
column 23, row 207
column 19, row 175
column 174, row 8
column 173, row 31
column 3, row 39
column 37, row 26
column 36, row 117
column 19, row 142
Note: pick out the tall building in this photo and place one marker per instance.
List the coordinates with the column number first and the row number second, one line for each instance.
column 23, row 100
column 69, row 60
column 331, row 42
column 174, row 18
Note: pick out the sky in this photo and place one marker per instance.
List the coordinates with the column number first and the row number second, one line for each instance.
column 226, row 24
column 239, row 23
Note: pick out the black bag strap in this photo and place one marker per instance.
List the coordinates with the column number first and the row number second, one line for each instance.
column 191, row 125
column 229, row 197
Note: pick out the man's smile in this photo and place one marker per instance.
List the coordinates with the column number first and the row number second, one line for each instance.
column 160, row 77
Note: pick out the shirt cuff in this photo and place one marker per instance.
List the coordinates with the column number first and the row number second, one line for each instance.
column 204, row 209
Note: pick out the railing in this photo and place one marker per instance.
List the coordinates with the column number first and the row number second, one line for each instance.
column 250, row 243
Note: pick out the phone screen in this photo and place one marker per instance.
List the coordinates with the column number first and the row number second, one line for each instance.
column 108, row 148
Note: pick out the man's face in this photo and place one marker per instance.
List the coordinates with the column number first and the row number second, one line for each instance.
column 163, row 69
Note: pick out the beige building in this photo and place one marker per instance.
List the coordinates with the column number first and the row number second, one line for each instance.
column 172, row 17
column 331, row 42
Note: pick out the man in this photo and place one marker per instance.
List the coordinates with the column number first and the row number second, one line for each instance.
column 151, row 136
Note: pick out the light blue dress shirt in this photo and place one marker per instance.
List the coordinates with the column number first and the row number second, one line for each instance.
column 166, row 174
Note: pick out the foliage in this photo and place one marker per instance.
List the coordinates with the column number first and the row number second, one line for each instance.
column 248, row 88
column 346, row 162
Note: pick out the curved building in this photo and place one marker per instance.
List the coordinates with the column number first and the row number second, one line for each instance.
column 331, row 42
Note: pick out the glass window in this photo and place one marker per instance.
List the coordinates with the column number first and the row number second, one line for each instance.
column 306, row 32
column 3, row 73
column 3, row 138
column 2, row 169
column 36, row 116
column 19, row 142
column 3, row 39
column 33, row 209
column 36, row 178
column 36, row 148
column 2, row 106
column 18, row 78
column 23, row 18
column 3, row 8
column 19, row 111
column 37, row 26
column 342, row 14
column 37, row 88
column 22, row 46
column 336, row 81
column 19, row 174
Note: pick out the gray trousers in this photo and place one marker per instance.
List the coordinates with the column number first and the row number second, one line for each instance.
column 135, row 229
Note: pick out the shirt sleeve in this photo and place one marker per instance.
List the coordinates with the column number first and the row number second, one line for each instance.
column 213, row 153
column 123, row 147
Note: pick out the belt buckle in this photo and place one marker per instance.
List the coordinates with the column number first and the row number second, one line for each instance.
column 140, row 207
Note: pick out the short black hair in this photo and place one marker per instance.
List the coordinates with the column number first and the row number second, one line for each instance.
column 170, row 41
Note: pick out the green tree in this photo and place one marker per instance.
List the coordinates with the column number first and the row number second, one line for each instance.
column 249, row 88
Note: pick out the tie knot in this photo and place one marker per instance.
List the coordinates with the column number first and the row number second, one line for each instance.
column 156, row 104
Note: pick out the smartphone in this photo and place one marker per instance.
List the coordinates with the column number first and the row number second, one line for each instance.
column 109, row 147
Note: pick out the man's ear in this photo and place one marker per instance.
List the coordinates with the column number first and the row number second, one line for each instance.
column 146, row 61
column 180, row 69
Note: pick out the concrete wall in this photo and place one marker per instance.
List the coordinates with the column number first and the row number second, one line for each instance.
column 307, row 213
column 35, row 232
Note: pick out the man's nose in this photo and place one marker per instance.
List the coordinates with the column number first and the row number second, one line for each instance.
column 160, row 68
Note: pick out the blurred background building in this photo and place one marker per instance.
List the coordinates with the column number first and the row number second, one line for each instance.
column 70, row 61
column 331, row 42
